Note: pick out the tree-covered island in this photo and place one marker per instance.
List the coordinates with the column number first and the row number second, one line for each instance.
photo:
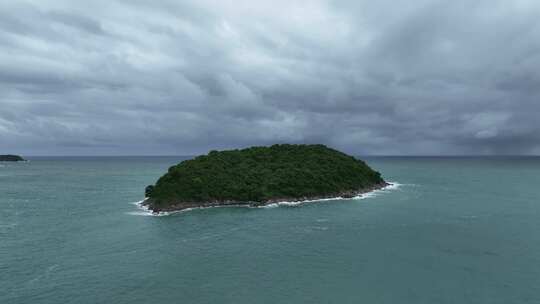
column 261, row 175
column 11, row 157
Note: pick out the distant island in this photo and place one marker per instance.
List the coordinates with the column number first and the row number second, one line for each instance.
column 259, row 176
column 11, row 157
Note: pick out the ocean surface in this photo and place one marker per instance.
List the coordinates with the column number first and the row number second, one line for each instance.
column 453, row 230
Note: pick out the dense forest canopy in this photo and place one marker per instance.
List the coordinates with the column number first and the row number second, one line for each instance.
column 11, row 157
column 259, row 174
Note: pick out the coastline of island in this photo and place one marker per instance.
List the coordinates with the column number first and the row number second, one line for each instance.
column 261, row 176
column 147, row 206
column 11, row 158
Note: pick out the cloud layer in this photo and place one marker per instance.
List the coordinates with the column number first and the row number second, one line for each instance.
column 182, row 77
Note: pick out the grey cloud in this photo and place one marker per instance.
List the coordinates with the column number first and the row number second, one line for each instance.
column 385, row 77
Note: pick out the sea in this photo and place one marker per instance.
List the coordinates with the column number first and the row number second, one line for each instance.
column 449, row 230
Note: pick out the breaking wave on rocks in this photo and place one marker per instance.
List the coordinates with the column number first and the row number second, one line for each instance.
column 144, row 210
column 391, row 186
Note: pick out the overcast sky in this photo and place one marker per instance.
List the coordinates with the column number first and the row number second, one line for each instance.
column 175, row 77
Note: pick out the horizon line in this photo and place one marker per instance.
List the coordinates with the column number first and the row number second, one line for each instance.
column 353, row 154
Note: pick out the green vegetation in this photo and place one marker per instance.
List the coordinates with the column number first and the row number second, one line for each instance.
column 262, row 174
column 10, row 157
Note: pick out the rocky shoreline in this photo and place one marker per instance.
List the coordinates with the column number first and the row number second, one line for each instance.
column 147, row 203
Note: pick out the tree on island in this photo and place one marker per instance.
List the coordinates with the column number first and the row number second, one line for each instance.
column 11, row 157
column 261, row 175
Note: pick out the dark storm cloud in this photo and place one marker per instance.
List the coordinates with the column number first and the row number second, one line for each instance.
column 384, row 77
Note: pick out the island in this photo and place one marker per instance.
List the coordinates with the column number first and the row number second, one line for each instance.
column 259, row 176
column 11, row 157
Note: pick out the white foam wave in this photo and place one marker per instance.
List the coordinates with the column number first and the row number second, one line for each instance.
column 144, row 210
column 141, row 213
column 390, row 187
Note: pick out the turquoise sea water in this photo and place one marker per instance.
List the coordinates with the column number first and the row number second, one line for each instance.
column 456, row 230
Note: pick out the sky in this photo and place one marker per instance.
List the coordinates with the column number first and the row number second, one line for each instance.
column 399, row 77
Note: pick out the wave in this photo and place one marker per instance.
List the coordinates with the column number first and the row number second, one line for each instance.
column 145, row 211
column 391, row 186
